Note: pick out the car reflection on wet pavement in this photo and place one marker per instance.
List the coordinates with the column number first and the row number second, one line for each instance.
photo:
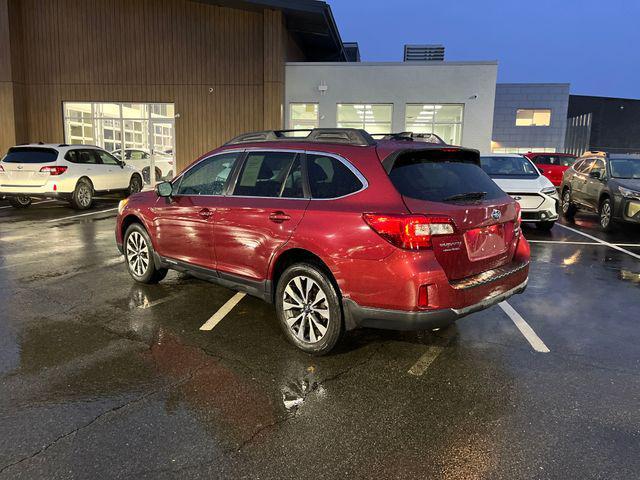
column 103, row 378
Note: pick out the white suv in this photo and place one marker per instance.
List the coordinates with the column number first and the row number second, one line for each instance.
column 520, row 178
column 75, row 173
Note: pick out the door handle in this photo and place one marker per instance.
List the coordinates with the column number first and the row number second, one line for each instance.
column 279, row 217
column 205, row 213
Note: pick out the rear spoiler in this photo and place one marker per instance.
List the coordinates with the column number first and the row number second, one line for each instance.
column 438, row 154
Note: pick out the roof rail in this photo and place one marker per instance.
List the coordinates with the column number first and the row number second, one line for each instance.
column 411, row 137
column 350, row 136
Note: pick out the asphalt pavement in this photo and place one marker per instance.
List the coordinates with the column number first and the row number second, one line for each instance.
column 104, row 378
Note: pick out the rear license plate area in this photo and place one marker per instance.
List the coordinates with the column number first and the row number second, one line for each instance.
column 485, row 242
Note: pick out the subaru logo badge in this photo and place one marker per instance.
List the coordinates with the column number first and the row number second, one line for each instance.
column 496, row 214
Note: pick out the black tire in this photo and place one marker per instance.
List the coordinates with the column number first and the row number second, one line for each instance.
column 568, row 208
column 135, row 184
column 20, row 201
column 148, row 273
column 545, row 226
column 605, row 214
column 311, row 321
column 82, row 197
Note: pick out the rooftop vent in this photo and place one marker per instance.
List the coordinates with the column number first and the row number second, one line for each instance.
column 424, row 53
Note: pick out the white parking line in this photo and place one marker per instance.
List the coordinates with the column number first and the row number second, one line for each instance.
column 526, row 330
column 611, row 245
column 82, row 215
column 148, row 304
column 224, row 310
column 425, row 361
column 595, row 244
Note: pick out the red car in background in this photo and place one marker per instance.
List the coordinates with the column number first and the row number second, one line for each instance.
column 552, row 165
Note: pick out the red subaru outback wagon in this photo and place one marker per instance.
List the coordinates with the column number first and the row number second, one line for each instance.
column 337, row 229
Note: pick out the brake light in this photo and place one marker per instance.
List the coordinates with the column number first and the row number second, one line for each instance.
column 411, row 232
column 1, row 168
column 56, row 170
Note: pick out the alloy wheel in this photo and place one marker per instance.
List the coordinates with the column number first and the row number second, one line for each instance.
column 135, row 185
column 137, row 254
column 84, row 195
column 605, row 215
column 306, row 309
column 566, row 201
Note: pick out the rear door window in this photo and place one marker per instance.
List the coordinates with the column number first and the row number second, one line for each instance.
column 30, row 155
column 330, row 178
column 263, row 174
column 418, row 176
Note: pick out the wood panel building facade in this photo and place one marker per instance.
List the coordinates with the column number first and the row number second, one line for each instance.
column 221, row 63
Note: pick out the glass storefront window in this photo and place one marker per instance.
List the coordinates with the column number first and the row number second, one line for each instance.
column 141, row 133
column 442, row 119
column 533, row 118
column 303, row 116
column 374, row 118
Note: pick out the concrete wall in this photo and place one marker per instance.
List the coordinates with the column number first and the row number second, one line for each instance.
column 468, row 83
column 512, row 96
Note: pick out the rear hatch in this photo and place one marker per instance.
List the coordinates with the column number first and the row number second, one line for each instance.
column 449, row 182
column 22, row 166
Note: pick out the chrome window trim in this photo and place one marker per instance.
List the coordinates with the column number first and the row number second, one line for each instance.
column 345, row 162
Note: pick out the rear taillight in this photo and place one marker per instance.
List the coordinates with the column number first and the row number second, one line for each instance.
column 56, row 170
column 518, row 220
column 1, row 168
column 411, row 232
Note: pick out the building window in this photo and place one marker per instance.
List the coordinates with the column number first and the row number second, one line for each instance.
column 441, row 119
column 523, row 149
column 374, row 118
column 118, row 126
column 303, row 116
column 533, row 118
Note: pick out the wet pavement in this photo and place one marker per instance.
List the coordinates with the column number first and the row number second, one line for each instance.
column 103, row 378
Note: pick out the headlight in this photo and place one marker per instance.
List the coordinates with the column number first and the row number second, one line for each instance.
column 122, row 204
column 549, row 190
column 629, row 193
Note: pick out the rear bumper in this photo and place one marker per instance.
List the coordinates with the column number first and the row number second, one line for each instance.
column 420, row 320
column 44, row 191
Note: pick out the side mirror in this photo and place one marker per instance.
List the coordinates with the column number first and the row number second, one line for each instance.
column 164, row 189
column 595, row 175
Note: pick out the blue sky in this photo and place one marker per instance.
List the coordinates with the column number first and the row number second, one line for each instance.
column 594, row 45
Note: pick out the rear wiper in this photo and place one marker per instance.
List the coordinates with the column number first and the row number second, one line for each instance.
column 466, row 196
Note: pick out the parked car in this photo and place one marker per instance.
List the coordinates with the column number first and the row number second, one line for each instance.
column 608, row 184
column 141, row 159
column 75, row 173
column 520, row 178
column 552, row 165
column 336, row 229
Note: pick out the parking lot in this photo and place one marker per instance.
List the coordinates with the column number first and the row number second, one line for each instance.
column 102, row 377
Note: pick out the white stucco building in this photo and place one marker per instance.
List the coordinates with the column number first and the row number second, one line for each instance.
column 452, row 99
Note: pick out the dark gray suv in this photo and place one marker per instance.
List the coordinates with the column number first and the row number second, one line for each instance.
column 608, row 184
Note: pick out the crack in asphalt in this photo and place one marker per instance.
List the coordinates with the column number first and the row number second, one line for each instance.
column 115, row 409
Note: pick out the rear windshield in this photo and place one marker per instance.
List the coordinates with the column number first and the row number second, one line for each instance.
column 438, row 180
column 508, row 167
column 558, row 160
column 30, row 155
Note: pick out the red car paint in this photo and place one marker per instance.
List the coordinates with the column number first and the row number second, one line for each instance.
column 238, row 236
column 552, row 165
